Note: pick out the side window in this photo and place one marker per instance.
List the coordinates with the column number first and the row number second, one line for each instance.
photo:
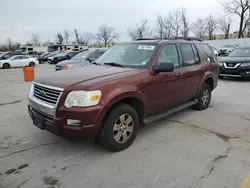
column 188, row 54
column 169, row 54
column 17, row 57
column 25, row 57
column 208, row 51
column 196, row 55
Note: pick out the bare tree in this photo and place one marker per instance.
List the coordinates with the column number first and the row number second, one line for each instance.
column 224, row 26
column 86, row 38
column 199, row 27
column 142, row 30
column 106, row 34
column 160, row 27
column 239, row 8
column 10, row 44
column 176, row 19
column 66, row 36
column 76, row 36
column 184, row 22
column 35, row 39
column 59, row 38
column 211, row 26
column 168, row 25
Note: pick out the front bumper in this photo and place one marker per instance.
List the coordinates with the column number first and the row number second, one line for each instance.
column 91, row 119
column 235, row 72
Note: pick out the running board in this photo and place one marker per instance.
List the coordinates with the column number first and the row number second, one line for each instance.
column 171, row 111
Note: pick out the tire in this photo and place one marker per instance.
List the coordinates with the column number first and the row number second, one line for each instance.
column 6, row 65
column 204, row 97
column 32, row 64
column 113, row 130
column 221, row 77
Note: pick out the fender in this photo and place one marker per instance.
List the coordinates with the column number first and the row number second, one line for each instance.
column 207, row 75
column 119, row 94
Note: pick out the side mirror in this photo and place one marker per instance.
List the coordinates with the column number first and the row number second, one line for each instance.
column 163, row 67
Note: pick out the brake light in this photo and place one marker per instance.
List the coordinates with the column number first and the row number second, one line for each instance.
column 65, row 67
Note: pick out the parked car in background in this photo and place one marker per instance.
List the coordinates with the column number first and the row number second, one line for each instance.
column 50, row 56
column 33, row 54
column 132, row 83
column 236, row 64
column 80, row 59
column 10, row 54
column 64, row 56
column 42, row 57
column 225, row 50
column 18, row 61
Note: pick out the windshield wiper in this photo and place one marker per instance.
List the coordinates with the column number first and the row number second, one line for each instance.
column 114, row 64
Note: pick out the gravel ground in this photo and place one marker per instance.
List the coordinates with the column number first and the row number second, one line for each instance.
column 191, row 149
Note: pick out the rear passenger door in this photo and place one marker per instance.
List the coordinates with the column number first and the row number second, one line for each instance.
column 194, row 71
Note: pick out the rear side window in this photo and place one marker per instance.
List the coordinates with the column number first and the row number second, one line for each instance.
column 207, row 51
column 190, row 54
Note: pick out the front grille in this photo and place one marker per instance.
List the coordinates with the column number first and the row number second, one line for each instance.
column 46, row 94
column 231, row 64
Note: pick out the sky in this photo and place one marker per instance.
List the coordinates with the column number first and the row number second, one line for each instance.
column 21, row 18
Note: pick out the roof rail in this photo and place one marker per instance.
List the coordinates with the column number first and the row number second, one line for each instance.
column 147, row 39
column 185, row 38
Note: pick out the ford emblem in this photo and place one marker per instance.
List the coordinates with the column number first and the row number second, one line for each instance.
column 42, row 93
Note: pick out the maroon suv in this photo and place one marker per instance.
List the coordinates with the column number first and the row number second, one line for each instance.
column 130, row 84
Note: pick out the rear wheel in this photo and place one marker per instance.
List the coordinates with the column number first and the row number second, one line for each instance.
column 221, row 77
column 6, row 65
column 204, row 97
column 31, row 64
column 119, row 128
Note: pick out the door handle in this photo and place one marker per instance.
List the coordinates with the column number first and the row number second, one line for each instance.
column 179, row 74
column 201, row 69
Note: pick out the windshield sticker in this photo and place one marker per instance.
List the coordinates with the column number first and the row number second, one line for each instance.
column 143, row 62
column 146, row 47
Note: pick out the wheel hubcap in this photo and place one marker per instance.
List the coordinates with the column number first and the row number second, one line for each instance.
column 123, row 128
column 205, row 97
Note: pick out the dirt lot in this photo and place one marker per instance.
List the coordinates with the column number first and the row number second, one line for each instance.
column 192, row 149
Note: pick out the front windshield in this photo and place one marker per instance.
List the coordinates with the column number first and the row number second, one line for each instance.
column 80, row 56
column 240, row 52
column 128, row 55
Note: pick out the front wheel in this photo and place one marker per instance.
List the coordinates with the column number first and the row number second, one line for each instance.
column 204, row 97
column 6, row 65
column 119, row 128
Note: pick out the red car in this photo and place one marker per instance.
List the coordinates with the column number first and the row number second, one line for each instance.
column 131, row 84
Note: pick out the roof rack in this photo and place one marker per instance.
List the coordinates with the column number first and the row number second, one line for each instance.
column 185, row 38
column 147, row 39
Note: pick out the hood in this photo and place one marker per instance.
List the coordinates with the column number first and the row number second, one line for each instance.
column 234, row 59
column 67, row 62
column 66, row 79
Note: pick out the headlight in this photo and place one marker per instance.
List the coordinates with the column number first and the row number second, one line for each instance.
column 245, row 64
column 82, row 98
column 220, row 63
column 68, row 66
column 31, row 90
